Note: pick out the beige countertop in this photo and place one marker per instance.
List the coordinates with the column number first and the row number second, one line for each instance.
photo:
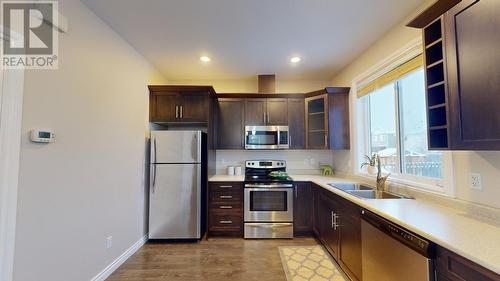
column 453, row 229
column 221, row 178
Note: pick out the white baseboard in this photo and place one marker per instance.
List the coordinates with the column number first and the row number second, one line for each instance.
column 120, row 260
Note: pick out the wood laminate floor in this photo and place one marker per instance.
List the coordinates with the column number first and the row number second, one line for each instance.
column 212, row 260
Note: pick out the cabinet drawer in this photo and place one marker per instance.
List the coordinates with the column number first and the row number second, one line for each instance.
column 228, row 220
column 450, row 266
column 226, row 192
column 225, row 196
column 225, row 206
column 224, row 187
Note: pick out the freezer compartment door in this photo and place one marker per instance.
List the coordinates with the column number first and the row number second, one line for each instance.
column 175, row 146
column 174, row 201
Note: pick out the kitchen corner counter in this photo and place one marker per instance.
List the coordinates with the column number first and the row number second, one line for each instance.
column 474, row 239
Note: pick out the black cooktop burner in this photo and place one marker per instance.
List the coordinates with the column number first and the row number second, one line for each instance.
column 266, row 179
column 257, row 171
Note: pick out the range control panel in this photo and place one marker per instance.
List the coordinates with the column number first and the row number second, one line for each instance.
column 265, row 164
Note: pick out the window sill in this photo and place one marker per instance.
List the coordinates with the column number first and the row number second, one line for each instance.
column 410, row 184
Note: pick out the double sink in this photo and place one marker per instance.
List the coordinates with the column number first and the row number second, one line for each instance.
column 366, row 192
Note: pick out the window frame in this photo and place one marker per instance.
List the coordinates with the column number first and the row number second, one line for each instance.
column 444, row 186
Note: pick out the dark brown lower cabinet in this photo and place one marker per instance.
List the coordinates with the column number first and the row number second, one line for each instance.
column 225, row 209
column 452, row 267
column 350, row 239
column 325, row 211
column 302, row 211
column 337, row 224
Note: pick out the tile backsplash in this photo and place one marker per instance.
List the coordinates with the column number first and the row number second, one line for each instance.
column 298, row 161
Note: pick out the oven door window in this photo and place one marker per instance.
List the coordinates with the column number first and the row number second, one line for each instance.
column 268, row 201
column 262, row 137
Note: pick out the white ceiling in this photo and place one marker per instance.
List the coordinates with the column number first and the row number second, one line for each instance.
column 249, row 37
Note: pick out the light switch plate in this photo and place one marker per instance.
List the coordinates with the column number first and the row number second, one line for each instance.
column 109, row 242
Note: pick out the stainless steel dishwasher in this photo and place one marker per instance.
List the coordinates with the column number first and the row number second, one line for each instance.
column 391, row 253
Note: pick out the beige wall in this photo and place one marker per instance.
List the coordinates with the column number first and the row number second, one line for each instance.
column 250, row 85
column 88, row 184
column 485, row 163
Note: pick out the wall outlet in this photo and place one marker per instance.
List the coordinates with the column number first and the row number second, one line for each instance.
column 475, row 181
column 109, row 242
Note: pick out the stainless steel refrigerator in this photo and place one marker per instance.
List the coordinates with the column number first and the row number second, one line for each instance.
column 177, row 184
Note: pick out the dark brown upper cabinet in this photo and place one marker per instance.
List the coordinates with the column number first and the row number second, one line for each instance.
column 277, row 111
column 255, row 112
column 296, row 123
column 163, row 107
column 266, row 111
column 473, row 68
column 327, row 119
column 179, row 104
column 229, row 122
column 462, row 76
column 194, row 107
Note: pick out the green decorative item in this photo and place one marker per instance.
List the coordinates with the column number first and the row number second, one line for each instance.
column 327, row 170
column 279, row 175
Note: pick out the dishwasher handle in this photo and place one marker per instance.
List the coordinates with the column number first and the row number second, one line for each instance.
column 411, row 240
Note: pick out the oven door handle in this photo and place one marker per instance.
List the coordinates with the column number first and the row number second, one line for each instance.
column 259, row 186
column 268, row 189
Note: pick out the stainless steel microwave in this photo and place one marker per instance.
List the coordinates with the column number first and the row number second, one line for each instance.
column 266, row 137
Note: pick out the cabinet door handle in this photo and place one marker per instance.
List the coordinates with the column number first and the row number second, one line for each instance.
column 182, row 110
column 176, row 112
column 264, row 117
column 226, row 197
column 295, row 187
column 331, row 212
column 335, row 221
column 225, row 222
column 326, row 140
column 225, row 207
column 225, row 186
column 268, row 118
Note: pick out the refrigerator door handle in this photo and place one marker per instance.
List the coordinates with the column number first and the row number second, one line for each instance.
column 154, row 178
column 198, row 201
column 154, row 150
column 197, row 141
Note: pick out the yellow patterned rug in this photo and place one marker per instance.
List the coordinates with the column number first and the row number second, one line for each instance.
column 310, row 263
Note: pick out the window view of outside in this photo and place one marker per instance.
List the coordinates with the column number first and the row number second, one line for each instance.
column 417, row 160
column 412, row 157
column 383, row 138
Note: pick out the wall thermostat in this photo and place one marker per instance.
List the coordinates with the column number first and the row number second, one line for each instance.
column 43, row 136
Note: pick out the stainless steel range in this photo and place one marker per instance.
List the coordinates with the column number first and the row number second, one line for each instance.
column 268, row 202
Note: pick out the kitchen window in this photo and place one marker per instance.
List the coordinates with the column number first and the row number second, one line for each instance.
column 394, row 126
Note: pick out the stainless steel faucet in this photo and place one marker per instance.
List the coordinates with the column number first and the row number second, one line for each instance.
column 380, row 179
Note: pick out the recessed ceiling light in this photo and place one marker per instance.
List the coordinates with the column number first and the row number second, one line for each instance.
column 295, row 59
column 205, row 59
